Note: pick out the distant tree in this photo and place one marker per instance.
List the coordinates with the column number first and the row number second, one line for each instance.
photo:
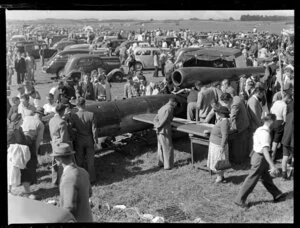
column 211, row 19
column 194, row 19
column 151, row 19
column 231, row 19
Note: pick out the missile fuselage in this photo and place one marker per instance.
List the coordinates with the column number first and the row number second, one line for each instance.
column 186, row 77
column 115, row 117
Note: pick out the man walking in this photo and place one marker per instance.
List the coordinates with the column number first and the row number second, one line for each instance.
column 20, row 66
column 84, row 123
column 162, row 123
column 261, row 161
column 156, row 64
column 74, row 189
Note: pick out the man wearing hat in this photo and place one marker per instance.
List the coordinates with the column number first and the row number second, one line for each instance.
column 84, row 123
column 59, row 133
column 85, row 88
column 74, row 188
column 162, row 124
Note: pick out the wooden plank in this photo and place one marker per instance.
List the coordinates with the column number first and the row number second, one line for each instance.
column 179, row 124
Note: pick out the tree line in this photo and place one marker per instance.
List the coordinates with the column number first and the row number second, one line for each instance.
column 265, row 18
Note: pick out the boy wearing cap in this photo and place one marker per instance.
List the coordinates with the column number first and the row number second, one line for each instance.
column 74, row 188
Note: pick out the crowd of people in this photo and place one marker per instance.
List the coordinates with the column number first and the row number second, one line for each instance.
column 258, row 109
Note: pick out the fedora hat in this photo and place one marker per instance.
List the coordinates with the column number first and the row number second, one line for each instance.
column 62, row 149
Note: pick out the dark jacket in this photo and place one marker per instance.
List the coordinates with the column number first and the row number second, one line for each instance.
column 239, row 115
column 86, row 90
column 20, row 65
column 85, row 124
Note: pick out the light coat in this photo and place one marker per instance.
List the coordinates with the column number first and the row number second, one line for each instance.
column 75, row 191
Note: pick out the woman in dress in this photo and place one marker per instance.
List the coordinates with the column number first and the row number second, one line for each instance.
column 218, row 156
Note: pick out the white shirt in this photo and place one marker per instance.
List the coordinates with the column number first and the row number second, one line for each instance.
column 279, row 108
column 48, row 108
column 261, row 139
column 164, row 44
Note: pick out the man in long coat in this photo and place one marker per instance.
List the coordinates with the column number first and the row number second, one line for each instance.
column 162, row 123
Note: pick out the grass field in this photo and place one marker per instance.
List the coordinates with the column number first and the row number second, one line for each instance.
column 136, row 182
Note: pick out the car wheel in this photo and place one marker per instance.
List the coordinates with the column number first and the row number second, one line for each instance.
column 138, row 66
column 60, row 73
column 118, row 77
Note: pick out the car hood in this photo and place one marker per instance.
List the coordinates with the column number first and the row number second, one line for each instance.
column 24, row 210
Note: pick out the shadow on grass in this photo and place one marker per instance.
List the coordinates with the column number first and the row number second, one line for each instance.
column 236, row 179
column 44, row 193
column 290, row 195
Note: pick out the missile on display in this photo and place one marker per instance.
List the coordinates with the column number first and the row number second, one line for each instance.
column 115, row 117
column 186, row 77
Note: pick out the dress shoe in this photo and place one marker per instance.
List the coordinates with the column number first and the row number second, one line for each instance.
column 242, row 205
column 280, row 197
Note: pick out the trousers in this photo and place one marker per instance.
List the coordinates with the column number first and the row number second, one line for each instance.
column 239, row 147
column 165, row 151
column 191, row 111
column 85, row 155
column 20, row 77
column 259, row 171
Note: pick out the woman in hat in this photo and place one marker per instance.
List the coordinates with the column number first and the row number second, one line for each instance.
column 218, row 155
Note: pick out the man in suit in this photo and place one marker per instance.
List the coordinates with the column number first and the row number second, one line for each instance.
column 59, row 133
column 162, row 124
column 20, row 66
column 255, row 111
column 84, row 123
column 239, row 121
column 74, row 189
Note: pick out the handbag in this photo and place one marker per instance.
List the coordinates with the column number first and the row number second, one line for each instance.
column 222, row 163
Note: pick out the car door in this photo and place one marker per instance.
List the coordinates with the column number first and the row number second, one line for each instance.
column 147, row 57
column 98, row 63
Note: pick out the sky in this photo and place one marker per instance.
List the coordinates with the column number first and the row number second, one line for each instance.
column 141, row 15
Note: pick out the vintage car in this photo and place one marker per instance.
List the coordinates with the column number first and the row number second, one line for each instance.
column 112, row 44
column 22, row 210
column 88, row 62
column 77, row 46
column 63, row 43
column 181, row 51
column 130, row 42
column 33, row 48
column 144, row 57
column 17, row 38
column 219, row 57
column 56, row 64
